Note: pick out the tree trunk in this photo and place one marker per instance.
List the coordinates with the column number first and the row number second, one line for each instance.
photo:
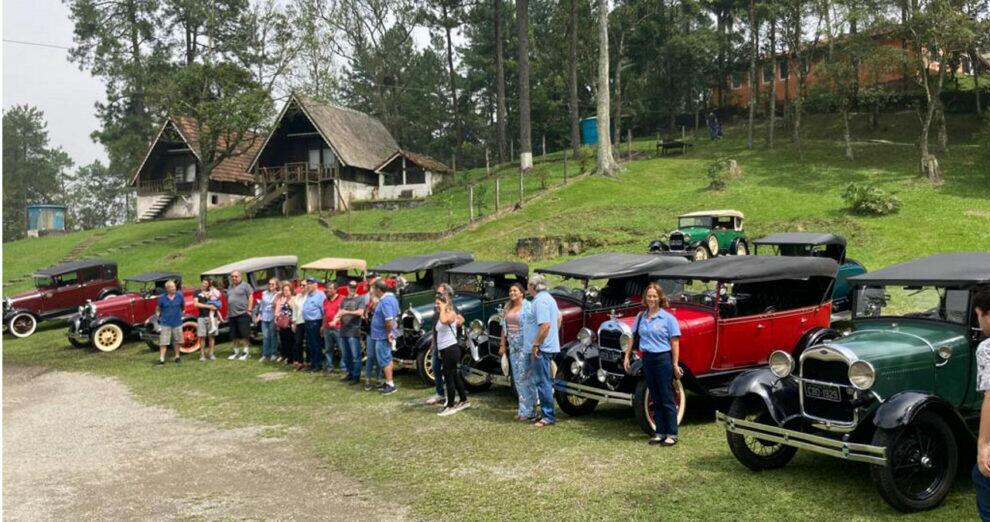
column 618, row 91
column 772, row 101
column 501, row 116
column 525, row 133
column 754, row 87
column 798, row 62
column 720, row 30
column 204, row 196
column 977, row 69
column 606, row 163
column 846, row 134
column 573, row 80
column 943, row 136
column 455, row 108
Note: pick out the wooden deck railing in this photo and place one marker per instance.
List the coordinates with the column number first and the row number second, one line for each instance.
column 294, row 173
column 152, row 187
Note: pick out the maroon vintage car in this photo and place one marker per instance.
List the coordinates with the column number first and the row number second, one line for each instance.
column 755, row 305
column 106, row 324
column 58, row 293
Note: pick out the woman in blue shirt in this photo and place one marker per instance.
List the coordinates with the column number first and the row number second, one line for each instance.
column 657, row 335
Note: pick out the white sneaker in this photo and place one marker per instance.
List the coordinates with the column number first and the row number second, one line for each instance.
column 233, row 356
column 463, row 405
column 447, row 412
column 263, row 358
column 436, row 399
column 213, row 357
column 202, row 358
column 243, row 357
column 278, row 359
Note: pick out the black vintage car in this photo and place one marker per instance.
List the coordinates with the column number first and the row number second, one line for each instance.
column 424, row 272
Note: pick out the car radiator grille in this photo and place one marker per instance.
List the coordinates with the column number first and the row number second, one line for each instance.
column 609, row 339
column 677, row 242
column 832, row 372
column 494, row 330
column 609, row 351
column 407, row 323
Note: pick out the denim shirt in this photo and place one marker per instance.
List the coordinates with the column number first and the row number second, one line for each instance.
column 516, row 342
column 267, row 305
column 313, row 306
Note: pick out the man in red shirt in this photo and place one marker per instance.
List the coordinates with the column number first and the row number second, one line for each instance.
column 331, row 324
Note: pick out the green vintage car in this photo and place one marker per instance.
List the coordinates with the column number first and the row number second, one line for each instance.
column 415, row 277
column 897, row 392
column 705, row 234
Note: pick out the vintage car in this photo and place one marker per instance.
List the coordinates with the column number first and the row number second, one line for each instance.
column 106, row 324
column 58, row 292
column 480, row 290
column 255, row 271
column 705, row 234
column 755, row 305
column 811, row 244
column 898, row 392
column 426, row 271
column 339, row 270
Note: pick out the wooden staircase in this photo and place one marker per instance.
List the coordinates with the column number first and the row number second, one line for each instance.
column 157, row 208
column 267, row 201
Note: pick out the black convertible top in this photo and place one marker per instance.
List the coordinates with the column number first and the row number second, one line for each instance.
column 147, row 277
column 956, row 269
column 801, row 238
column 408, row 264
column 752, row 269
column 520, row 270
column 72, row 266
column 608, row 265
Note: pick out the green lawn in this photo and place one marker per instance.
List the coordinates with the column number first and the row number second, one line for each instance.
column 480, row 465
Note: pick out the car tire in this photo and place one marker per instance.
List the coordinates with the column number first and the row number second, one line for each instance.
column 937, row 465
column 740, row 248
column 107, row 337
column 701, row 253
column 22, row 325
column 643, row 411
column 473, row 382
column 756, row 454
column 424, row 366
column 571, row 404
column 190, row 341
column 713, row 247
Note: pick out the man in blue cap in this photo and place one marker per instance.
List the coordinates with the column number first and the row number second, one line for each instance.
column 313, row 317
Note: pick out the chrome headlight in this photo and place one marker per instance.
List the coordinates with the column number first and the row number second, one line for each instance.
column 477, row 328
column 585, row 336
column 7, row 305
column 417, row 319
column 781, row 363
column 861, row 375
column 625, row 341
column 576, row 367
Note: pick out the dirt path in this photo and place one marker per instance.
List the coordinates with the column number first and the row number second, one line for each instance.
column 79, row 447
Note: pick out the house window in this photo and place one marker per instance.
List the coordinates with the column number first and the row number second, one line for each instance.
column 768, row 73
column 736, row 80
column 415, row 175
column 784, row 69
column 191, row 172
column 392, row 178
column 314, row 158
column 214, row 199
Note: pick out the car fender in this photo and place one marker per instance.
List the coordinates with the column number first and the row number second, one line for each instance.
column 571, row 349
column 816, row 335
column 14, row 311
column 107, row 292
column 902, row 408
column 779, row 395
column 422, row 343
column 733, row 247
column 100, row 321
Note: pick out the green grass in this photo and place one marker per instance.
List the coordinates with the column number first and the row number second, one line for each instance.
column 479, row 465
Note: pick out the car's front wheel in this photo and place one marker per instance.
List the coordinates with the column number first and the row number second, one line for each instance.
column 643, row 405
column 190, row 341
column 922, row 459
column 572, row 404
column 472, row 381
column 22, row 325
column 108, row 337
column 76, row 343
column 702, row 253
column 755, row 453
column 424, row 366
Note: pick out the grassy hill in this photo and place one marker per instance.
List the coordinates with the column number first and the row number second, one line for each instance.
column 479, row 465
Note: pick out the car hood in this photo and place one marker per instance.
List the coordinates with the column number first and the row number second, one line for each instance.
column 427, row 315
column 26, row 295
column 110, row 305
column 694, row 233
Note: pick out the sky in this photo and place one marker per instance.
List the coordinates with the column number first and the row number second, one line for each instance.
column 43, row 76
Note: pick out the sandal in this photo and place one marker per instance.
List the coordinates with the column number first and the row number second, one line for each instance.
column 543, row 424
column 520, row 418
column 669, row 441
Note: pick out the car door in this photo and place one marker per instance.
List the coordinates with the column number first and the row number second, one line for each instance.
column 89, row 283
column 790, row 325
column 66, row 295
column 742, row 342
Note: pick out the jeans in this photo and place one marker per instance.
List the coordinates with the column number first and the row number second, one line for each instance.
column 350, row 348
column 451, row 357
column 521, row 361
column 982, row 486
column 314, row 344
column 544, row 385
column 331, row 341
column 371, row 366
column 658, row 369
column 269, row 339
column 437, row 373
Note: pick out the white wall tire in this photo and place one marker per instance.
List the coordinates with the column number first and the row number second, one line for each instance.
column 713, row 245
column 22, row 325
column 108, row 337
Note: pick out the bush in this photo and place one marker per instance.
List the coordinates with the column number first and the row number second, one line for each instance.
column 720, row 171
column 870, row 200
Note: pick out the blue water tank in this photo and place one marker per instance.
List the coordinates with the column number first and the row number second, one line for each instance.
column 46, row 217
column 589, row 131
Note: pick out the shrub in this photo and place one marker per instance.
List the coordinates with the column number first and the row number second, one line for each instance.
column 870, row 200
column 542, row 173
column 720, row 171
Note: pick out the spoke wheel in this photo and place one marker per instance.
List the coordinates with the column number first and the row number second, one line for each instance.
column 22, row 325
column 472, row 381
column 755, row 453
column 190, row 341
column 742, row 249
column 701, row 253
column 643, row 405
column 108, row 337
column 922, row 459
column 572, row 404
column 713, row 248
column 424, row 366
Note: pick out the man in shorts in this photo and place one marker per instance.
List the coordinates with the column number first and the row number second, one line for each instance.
column 240, row 304
column 207, row 302
column 384, row 323
column 169, row 309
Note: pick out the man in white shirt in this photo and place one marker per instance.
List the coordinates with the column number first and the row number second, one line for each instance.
column 981, row 472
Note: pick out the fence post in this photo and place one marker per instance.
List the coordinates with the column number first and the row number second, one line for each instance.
column 512, row 149
column 629, row 143
column 544, row 144
column 520, row 186
column 496, row 193
column 470, row 203
column 565, row 166
column 488, row 169
column 683, row 135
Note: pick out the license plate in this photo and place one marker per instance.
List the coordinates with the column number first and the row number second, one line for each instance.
column 609, row 355
column 676, row 244
column 823, row 392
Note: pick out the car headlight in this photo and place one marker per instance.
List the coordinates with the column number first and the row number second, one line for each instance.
column 477, row 328
column 781, row 363
column 585, row 336
column 625, row 341
column 861, row 375
column 576, row 367
column 7, row 305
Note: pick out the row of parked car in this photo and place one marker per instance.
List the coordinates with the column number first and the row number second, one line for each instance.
column 894, row 386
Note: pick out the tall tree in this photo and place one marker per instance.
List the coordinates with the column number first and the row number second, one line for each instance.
column 525, row 127
column 446, row 15
column 754, row 85
column 572, row 77
column 501, row 114
column 607, row 165
column 95, row 197
column 772, row 54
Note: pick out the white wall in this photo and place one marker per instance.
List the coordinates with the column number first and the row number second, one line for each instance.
column 186, row 205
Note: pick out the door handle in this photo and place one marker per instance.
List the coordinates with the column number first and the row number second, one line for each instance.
column 804, row 320
column 49, row 294
column 760, row 327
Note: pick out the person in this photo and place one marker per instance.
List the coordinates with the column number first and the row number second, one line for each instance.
column 657, row 334
column 240, row 305
column 312, row 311
column 981, row 471
column 540, row 335
column 445, row 334
column 266, row 315
column 207, row 303
column 349, row 318
column 169, row 309
column 520, row 360
column 714, row 132
column 285, row 311
column 384, row 323
column 371, row 367
column 331, row 324
column 445, row 290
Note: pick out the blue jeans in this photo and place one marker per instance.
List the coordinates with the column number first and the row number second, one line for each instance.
column 331, row 341
column 269, row 339
column 350, row 348
column 544, row 385
column 521, row 361
column 371, row 366
column 658, row 369
column 982, row 486
column 437, row 373
column 314, row 344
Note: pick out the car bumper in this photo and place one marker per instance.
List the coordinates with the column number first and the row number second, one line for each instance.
column 798, row 439
column 677, row 253
column 601, row 395
column 493, row 378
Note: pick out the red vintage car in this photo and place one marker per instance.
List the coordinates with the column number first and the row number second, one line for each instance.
column 341, row 271
column 106, row 324
column 750, row 306
column 58, row 293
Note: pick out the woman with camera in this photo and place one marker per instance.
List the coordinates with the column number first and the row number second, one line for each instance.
column 450, row 355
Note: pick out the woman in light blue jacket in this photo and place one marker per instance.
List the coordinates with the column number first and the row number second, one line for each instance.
column 520, row 359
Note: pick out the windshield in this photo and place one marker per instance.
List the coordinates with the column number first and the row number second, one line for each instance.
column 941, row 304
column 135, row 287
column 702, row 221
column 44, row 282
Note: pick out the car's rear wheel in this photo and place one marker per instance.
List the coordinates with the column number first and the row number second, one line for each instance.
column 922, row 459
column 702, row 253
column 572, row 404
column 22, row 325
column 472, row 381
column 755, row 453
column 108, row 337
column 742, row 249
column 424, row 366
column 190, row 341
column 643, row 405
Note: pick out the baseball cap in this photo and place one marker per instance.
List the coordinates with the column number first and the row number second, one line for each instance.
column 310, row 279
